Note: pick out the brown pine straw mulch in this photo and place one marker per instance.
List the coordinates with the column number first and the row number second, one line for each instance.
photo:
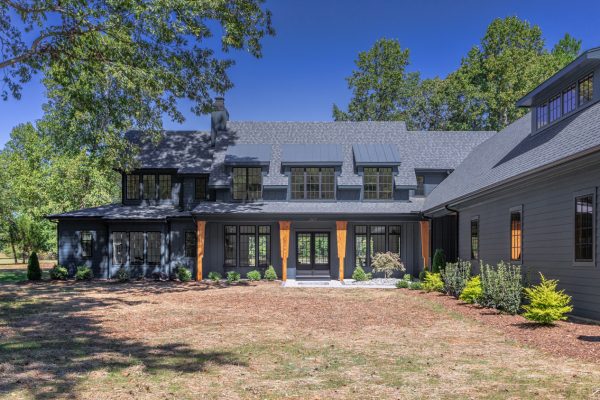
column 572, row 338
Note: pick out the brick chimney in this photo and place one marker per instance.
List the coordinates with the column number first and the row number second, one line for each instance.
column 218, row 119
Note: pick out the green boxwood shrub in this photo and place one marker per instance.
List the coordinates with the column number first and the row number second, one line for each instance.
column 407, row 277
column 59, row 273
column 422, row 275
column 415, row 286
column 502, row 287
column 439, row 261
column 233, row 276
column 359, row 274
column 402, row 284
column 473, row 291
column 184, row 274
column 214, row 276
column 123, row 275
column 270, row 274
column 546, row 304
column 83, row 273
column 455, row 277
column 433, row 282
column 253, row 275
column 34, row 272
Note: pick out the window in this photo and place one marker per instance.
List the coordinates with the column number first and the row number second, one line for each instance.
column 475, row 239
column 370, row 240
column 542, row 115
column 516, row 236
column 360, row 246
column 230, row 245
column 264, row 245
column 149, row 182
column 200, row 192
column 420, row 186
column 164, row 187
column 377, row 183
column 133, row 187
column 555, row 108
column 395, row 239
column 190, row 244
column 153, row 247
column 250, row 244
column 86, row 244
column 136, row 247
column 247, row 183
column 313, row 183
column 586, row 89
column 584, row 228
column 569, row 100
column 119, row 243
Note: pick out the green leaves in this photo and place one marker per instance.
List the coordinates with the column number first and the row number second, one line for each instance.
column 546, row 304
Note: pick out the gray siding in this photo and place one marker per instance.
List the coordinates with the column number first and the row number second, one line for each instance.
column 69, row 253
column 548, row 231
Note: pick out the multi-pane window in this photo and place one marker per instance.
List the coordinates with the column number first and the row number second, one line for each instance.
column 149, row 183
column 119, row 247
column 360, row 246
column 247, row 246
column 569, row 99
column 474, row 239
column 230, row 245
column 584, row 228
column 133, row 187
column 554, row 107
column 378, row 183
column 153, row 247
column 586, row 89
column 247, row 183
column 542, row 115
column 264, row 245
column 516, row 235
column 200, row 192
column 372, row 239
column 164, row 187
column 313, row 183
column 420, row 191
column 395, row 239
column 136, row 247
column 86, row 244
column 190, row 244
column 250, row 244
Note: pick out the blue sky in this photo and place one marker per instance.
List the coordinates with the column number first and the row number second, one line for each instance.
column 301, row 74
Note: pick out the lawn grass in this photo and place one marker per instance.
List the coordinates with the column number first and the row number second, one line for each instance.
column 260, row 341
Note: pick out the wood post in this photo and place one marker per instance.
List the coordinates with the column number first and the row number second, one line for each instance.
column 200, row 233
column 425, row 243
column 284, row 241
column 341, row 227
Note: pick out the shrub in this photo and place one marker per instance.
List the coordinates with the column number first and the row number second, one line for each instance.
column 546, row 304
column 270, row 273
column 387, row 263
column 415, row 286
column 34, row 272
column 253, row 275
column 455, row 277
column 214, row 276
column 502, row 287
column 58, row 272
column 407, row 277
column 433, row 283
column 422, row 275
column 472, row 292
column 402, row 284
column 83, row 273
column 439, row 261
column 359, row 274
column 233, row 276
column 183, row 274
column 123, row 275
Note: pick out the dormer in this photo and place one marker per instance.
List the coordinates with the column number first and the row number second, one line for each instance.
column 570, row 90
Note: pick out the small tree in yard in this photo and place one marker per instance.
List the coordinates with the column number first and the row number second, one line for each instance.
column 34, row 273
column 546, row 304
column 387, row 263
column 439, row 261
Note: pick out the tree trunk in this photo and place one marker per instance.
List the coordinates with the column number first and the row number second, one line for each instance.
column 14, row 250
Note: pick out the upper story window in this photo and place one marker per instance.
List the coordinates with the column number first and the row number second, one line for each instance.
column 554, row 107
column 164, row 187
column 200, row 188
column 247, row 183
column 542, row 115
column 586, row 89
column 313, row 183
column 154, row 187
column 378, row 183
column 149, row 186
column 569, row 99
column 420, row 191
column 133, row 187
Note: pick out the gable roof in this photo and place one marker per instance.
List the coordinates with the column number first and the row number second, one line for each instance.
column 311, row 154
column 514, row 152
column 376, row 154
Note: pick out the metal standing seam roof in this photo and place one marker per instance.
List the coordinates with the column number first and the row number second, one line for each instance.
column 312, row 154
column 248, row 154
column 376, row 154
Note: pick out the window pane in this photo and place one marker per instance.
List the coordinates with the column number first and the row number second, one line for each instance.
column 378, row 183
column 313, row 179
column 569, row 100
column 264, row 245
column 322, row 248
column 239, row 183
column 298, row 183
column 420, row 186
column 86, row 244
column 394, row 239
column 555, row 108
column 230, row 245
column 136, row 247
column 370, row 183
column 133, row 187
column 303, row 248
column 254, row 183
column 584, row 228
column 200, row 188
column 475, row 239
column 542, row 115
column 515, row 236
column 247, row 246
column 360, row 249
column 376, row 241
column 149, row 187
column 164, row 184
column 119, row 242
column 153, row 247
column 586, row 89
column 190, row 244
column 327, row 183
column 385, row 183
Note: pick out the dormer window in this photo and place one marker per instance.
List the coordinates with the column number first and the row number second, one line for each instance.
column 313, row 183
column 542, row 115
column 247, row 183
column 586, row 89
column 569, row 99
column 554, row 107
column 378, row 183
column 133, row 187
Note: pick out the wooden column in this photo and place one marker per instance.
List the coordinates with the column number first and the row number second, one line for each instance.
column 425, row 243
column 200, row 233
column 341, row 227
column 284, row 241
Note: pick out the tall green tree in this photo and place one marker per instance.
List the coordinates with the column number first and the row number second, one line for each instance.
column 110, row 65
column 381, row 86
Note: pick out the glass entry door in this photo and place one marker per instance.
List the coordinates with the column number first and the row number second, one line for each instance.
column 312, row 254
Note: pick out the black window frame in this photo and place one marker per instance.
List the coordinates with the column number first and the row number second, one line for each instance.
column 148, row 188
column 555, row 108
column 233, row 236
column 157, row 254
column 162, row 178
column 585, row 96
column 86, row 244
column 475, row 238
column 130, row 184
column 306, row 174
column 133, row 246
column 125, row 252
column 230, row 239
column 248, row 194
column 541, row 116
column 368, row 231
column 513, row 235
column 201, row 188
column 420, row 190
column 378, row 173
column 569, row 100
column 190, row 244
column 580, row 261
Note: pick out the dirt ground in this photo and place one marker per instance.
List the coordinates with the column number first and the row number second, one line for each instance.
column 149, row 340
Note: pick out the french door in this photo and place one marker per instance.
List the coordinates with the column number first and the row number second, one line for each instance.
column 312, row 254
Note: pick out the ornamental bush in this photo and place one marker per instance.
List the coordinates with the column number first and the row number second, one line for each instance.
column 433, row 282
column 34, row 272
column 233, row 276
column 359, row 274
column 402, row 284
column 183, row 274
column 472, row 292
column 407, row 277
column 123, row 275
column 546, row 304
column 415, row 286
column 439, row 261
column 83, row 273
column 270, row 273
column 214, row 276
column 502, row 287
column 253, row 275
column 455, row 277
column 59, row 273
column 387, row 263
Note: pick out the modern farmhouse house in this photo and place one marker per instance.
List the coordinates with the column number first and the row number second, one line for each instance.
column 316, row 199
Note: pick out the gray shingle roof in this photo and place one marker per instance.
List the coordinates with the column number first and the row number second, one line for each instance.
column 376, row 153
column 514, row 152
column 311, row 154
column 121, row 212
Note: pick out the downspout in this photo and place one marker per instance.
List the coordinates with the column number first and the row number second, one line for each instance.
column 447, row 207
